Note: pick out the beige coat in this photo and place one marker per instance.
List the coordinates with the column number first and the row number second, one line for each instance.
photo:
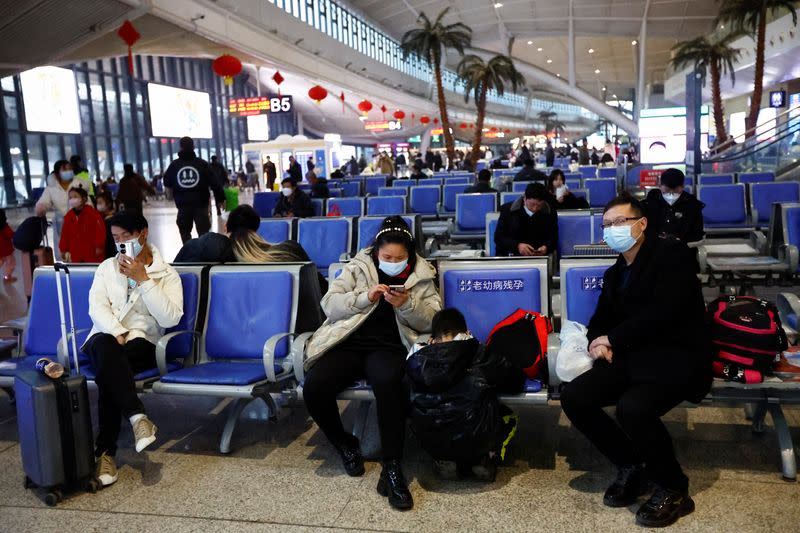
column 347, row 305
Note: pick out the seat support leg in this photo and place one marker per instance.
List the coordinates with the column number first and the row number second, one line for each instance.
column 360, row 423
column 788, row 459
column 230, row 424
column 10, row 391
column 758, row 415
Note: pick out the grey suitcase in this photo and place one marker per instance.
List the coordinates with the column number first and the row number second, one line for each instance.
column 55, row 433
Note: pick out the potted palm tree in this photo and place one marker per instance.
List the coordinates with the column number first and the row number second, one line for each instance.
column 717, row 57
column 479, row 78
column 751, row 16
column 429, row 42
column 550, row 122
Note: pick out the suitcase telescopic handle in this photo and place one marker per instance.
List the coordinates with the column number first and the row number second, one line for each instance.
column 61, row 266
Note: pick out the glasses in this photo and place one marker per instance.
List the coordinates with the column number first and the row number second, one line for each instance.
column 619, row 221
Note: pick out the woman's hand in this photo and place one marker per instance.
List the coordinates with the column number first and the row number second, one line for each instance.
column 397, row 299
column 377, row 291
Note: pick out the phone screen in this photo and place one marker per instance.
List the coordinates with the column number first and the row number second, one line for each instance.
column 397, row 288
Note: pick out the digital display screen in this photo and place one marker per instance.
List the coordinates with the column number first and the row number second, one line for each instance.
column 259, row 105
column 178, row 112
column 662, row 134
column 50, row 100
column 777, row 99
column 257, row 128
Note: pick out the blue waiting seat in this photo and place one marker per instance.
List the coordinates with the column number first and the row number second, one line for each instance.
column 325, row 239
column 386, row 205
column 449, row 192
column 520, row 186
column 725, row 209
column 490, row 248
column 459, row 180
column 351, row 188
column 506, row 197
column 404, row 182
column 755, row 177
column 319, row 206
column 470, row 221
column 335, row 192
column 347, row 207
column 715, row 179
column 763, row 195
column 275, row 230
column 424, row 200
column 588, row 171
column 246, row 357
column 601, row 190
column 607, row 172
column 581, row 284
column 790, row 228
column 573, row 183
column 581, row 193
column 373, row 183
column 264, row 203
column 368, row 227
column 572, row 176
column 438, row 181
column 393, row 191
column 575, row 227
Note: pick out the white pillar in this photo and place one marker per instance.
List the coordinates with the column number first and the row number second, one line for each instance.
column 642, row 72
column 571, row 47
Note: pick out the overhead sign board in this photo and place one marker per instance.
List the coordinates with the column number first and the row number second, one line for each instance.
column 383, row 125
column 259, row 105
column 777, row 99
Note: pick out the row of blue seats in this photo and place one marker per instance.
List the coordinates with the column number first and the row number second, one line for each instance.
column 583, row 171
column 739, row 206
column 740, row 177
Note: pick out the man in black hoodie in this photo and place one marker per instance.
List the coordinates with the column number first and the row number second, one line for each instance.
column 190, row 178
column 672, row 211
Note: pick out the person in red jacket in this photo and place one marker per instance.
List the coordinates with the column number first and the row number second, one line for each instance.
column 83, row 237
column 7, row 260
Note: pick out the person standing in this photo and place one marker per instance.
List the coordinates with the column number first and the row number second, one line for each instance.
column 295, row 170
column 190, row 179
column 105, row 206
column 583, row 154
column 220, row 176
column 55, row 197
column 132, row 190
column 648, row 295
column 549, row 154
column 270, row 172
column 7, row 259
column 524, row 154
column 84, row 237
column 82, row 174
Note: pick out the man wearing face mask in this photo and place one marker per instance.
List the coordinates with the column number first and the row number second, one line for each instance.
column 650, row 354
column 672, row 211
column 134, row 297
column 527, row 226
column 293, row 202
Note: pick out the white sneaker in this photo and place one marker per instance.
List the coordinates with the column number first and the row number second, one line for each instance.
column 144, row 431
column 105, row 470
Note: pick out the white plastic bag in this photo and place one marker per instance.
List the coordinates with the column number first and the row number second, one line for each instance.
column 573, row 356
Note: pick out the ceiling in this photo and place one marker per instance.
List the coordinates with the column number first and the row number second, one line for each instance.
column 606, row 26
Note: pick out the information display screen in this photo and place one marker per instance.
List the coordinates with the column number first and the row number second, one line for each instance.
column 259, row 105
column 51, row 100
column 662, row 133
column 178, row 112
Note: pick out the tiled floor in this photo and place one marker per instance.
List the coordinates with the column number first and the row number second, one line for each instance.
column 283, row 476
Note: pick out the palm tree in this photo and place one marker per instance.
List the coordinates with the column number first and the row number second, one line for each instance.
column 549, row 120
column 751, row 16
column 429, row 42
column 479, row 78
column 715, row 56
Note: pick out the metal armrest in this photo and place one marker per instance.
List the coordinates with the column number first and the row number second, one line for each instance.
column 553, row 346
column 298, row 355
column 702, row 259
column 788, row 254
column 18, row 324
column 431, row 245
column 754, row 216
column 787, row 303
column 61, row 349
column 759, row 242
column 269, row 355
column 161, row 347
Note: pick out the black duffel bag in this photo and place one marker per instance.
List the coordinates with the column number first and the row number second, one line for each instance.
column 30, row 233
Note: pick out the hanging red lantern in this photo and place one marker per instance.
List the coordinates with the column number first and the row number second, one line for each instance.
column 399, row 115
column 383, row 110
column 424, row 119
column 364, row 106
column 341, row 97
column 493, row 129
column 413, row 116
column 128, row 34
column 436, row 121
column 519, row 132
column 463, row 125
column 507, row 130
column 318, row 93
column 227, row 66
column 278, row 79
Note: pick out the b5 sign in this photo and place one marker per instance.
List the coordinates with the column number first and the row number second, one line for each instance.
column 650, row 178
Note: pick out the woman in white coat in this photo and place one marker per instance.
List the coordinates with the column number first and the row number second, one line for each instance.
column 55, row 197
column 377, row 308
column 134, row 297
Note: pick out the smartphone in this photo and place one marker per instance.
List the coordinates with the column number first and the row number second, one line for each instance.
column 397, row 288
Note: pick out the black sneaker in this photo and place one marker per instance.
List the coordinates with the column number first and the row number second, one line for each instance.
column 393, row 485
column 352, row 460
column 626, row 489
column 664, row 508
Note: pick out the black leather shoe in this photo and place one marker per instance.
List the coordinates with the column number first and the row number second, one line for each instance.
column 664, row 508
column 626, row 489
column 352, row 460
column 393, row 484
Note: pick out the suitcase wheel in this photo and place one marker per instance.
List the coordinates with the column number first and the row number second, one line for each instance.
column 54, row 497
column 92, row 486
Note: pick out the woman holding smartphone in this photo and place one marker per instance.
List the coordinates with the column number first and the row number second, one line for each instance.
column 377, row 308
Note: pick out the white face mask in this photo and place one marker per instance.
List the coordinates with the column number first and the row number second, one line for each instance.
column 561, row 191
column 74, row 203
column 670, row 197
column 392, row 269
column 102, row 208
column 528, row 211
column 287, row 191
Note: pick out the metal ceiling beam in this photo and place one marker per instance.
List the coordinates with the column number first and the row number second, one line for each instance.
column 640, row 88
column 571, row 44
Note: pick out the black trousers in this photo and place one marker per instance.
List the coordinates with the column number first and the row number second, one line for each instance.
column 340, row 368
column 115, row 366
column 638, row 436
column 193, row 215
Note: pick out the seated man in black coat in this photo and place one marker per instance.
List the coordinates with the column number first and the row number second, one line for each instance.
column 673, row 212
column 527, row 226
column 484, row 183
column 529, row 173
column 293, row 202
column 650, row 354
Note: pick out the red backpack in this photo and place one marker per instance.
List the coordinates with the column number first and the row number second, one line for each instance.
column 522, row 338
column 747, row 336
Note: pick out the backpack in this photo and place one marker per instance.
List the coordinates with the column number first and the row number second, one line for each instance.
column 522, row 338
column 747, row 337
column 30, row 233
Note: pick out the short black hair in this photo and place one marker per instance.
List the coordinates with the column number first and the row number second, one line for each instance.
column 130, row 221
column 81, row 191
column 60, row 163
column 528, row 162
column 244, row 216
column 485, row 175
column 289, row 179
column 554, row 175
column 106, row 197
column 536, row 191
column 448, row 321
column 186, row 144
column 394, row 230
column 625, row 198
column 673, row 177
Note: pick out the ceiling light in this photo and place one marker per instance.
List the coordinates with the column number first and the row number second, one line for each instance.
column 722, row 27
column 539, row 49
column 498, row 5
column 549, row 61
column 597, row 71
column 634, row 42
column 614, row 96
column 605, row 88
column 530, row 42
column 558, row 75
column 591, row 50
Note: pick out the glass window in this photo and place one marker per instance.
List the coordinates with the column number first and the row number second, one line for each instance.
column 85, row 122
column 127, row 114
column 130, row 152
column 12, row 115
column 15, row 150
column 116, row 155
column 54, row 152
column 36, row 160
column 155, row 162
column 7, row 83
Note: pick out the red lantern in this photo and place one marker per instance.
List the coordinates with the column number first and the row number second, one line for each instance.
column 507, row 130
column 493, row 129
column 413, row 116
column 399, row 115
column 128, row 34
column 463, row 125
column 317, row 93
column 227, row 66
column 364, row 106
column 278, row 79
column 383, row 110
column 519, row 132
column 424, row 119
column 341, row 97
column 436, row 121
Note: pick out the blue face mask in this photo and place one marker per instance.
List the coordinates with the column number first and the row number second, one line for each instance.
column 619, row 238
column 132, row 247
column 392, row 269
column 67, row 175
